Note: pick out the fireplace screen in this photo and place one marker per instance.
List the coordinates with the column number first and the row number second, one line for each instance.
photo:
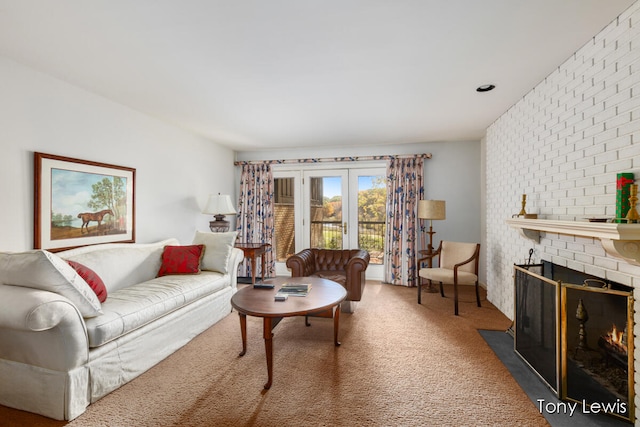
column 536, row 337
column 597, row 353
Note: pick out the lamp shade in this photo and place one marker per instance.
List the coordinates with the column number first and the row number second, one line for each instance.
column 431, row 209
column 219, row 205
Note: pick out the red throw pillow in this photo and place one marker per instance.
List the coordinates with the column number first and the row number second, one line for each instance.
column 92, row 279
column 181, row 260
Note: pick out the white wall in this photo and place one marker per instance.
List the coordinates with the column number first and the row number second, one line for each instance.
column 452, row 174
column 563, row 145
column 175, row 170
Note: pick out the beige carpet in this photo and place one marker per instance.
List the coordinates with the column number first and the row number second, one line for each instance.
column 400, row 364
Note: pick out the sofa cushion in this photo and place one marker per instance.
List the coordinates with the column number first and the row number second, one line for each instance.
column 445, row 275
column 93, row 280
column 133, row 307
column 44, row 270
column 336, row 276
column 181, row 260
column 120, row 265
column 218, row 249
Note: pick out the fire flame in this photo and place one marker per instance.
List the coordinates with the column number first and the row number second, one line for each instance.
column 615, row 338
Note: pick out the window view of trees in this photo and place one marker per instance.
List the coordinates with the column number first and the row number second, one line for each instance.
column 332, row 208
column 371, row 202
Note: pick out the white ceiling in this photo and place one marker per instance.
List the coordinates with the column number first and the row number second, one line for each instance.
column 263, row 74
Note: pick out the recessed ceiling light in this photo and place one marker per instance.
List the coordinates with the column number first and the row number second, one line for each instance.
column 485, row 88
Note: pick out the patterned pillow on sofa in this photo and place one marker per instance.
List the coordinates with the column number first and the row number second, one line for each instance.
column 181, row 260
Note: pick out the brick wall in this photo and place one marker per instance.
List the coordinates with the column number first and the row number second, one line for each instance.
column 562, row 145
column 284, row 218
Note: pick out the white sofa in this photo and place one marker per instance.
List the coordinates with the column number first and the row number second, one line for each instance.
column 60, row 352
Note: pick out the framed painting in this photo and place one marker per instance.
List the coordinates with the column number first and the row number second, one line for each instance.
column 80, row 202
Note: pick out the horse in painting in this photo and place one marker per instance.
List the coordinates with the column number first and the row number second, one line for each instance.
column 93, row 216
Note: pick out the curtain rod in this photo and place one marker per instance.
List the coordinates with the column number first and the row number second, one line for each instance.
column 331, row 159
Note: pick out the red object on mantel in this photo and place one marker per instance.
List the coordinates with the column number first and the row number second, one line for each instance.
column 623, row 185
column 622, row 181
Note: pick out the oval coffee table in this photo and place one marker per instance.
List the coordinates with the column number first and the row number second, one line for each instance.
column 323, row 300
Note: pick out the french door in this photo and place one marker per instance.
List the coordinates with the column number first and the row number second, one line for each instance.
column 331, row 209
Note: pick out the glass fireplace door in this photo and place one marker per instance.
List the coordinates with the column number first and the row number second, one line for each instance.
column 597, row 349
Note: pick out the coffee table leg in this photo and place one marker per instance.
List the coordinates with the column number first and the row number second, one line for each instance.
column 243, row 332
column 268, row 347
column 336, row 325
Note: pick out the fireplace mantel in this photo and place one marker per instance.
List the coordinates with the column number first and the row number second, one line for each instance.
column 618, row 240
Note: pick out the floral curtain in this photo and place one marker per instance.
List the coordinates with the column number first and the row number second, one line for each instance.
column 255, row 213
column 404, row 189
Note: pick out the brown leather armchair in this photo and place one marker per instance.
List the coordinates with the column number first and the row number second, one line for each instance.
column 344, row 266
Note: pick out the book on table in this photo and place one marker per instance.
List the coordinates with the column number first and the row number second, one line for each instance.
column 295, row 289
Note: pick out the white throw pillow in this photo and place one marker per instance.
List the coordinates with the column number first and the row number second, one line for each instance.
column 46, row 271
column 218, row 249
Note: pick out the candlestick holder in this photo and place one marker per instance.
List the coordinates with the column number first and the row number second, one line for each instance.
column 524, row 203
column 632, row 215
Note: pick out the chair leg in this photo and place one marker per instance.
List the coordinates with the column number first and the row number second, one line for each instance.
column 477, row 295
column 455, row 298
column 441, row 290
column 419, row 290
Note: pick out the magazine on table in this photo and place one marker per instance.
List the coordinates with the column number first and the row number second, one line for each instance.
column 294, row 289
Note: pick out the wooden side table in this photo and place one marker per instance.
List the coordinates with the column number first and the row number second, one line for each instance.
column 251, row 252
column 427, row 256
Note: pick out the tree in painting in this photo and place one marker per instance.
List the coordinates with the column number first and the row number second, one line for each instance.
column 109, row 193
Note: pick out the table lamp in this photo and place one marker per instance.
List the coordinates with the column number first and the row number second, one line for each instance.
column 219, row 205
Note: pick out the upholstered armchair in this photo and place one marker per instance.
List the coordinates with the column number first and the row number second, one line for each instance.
column 344, row 266
column 457, row 265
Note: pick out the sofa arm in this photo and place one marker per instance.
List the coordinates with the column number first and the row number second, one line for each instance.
column 41, row 328
column 236, row 257
column 355, row 270
column 359, row 261
column 302, row 264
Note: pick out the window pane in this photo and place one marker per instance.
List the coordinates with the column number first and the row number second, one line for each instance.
column 372, row 193
column 284, row 218
column 326, row 212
